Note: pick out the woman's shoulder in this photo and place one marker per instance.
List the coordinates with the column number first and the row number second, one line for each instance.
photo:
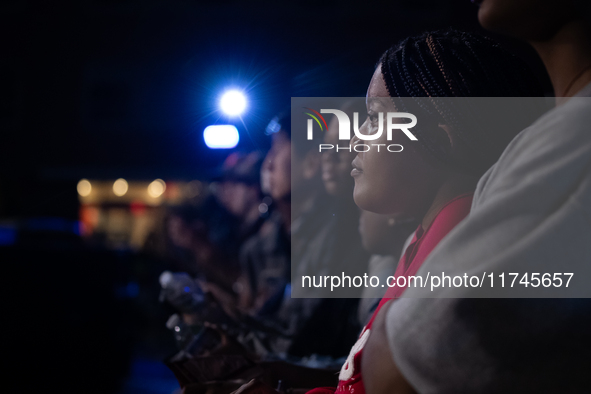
column 553, row 153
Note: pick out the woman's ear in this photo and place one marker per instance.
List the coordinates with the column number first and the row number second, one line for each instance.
column 450, row 136
column 458, row 150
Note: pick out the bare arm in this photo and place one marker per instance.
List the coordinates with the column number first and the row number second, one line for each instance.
column 380, row 373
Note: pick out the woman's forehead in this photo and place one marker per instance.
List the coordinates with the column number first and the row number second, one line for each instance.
column 377, row 85
column 377, row 91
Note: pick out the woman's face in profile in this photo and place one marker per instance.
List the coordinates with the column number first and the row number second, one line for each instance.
column 392, row 182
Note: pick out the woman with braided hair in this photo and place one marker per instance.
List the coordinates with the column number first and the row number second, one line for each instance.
column 531, row 213
column 434, row 178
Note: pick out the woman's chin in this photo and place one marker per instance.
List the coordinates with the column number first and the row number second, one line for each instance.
column 358, row 197
column 365, row 199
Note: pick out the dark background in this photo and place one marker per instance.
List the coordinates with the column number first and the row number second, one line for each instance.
column 124, row 88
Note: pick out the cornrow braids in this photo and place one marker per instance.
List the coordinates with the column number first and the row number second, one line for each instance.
column 438, row 59
column 453, row 63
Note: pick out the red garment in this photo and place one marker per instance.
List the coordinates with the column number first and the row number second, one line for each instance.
column 422, row 244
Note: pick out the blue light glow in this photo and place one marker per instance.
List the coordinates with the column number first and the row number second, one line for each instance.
column 7, row 235
column 233, row 102
column 221, row 136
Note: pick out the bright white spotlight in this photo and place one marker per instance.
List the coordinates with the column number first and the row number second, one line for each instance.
column 233, row 102
column 222, row 136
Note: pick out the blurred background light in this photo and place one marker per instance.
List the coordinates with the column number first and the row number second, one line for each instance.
column 84, row 188
column 156, row 188
column 120, row 187
column 193, row 189
column 233, row 102
column 221, row 136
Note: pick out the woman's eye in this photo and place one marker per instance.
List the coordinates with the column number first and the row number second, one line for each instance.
column 373, row 118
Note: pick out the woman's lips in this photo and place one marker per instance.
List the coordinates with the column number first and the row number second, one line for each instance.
column 356, row 168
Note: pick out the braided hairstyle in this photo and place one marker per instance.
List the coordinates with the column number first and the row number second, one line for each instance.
column 451, row 63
